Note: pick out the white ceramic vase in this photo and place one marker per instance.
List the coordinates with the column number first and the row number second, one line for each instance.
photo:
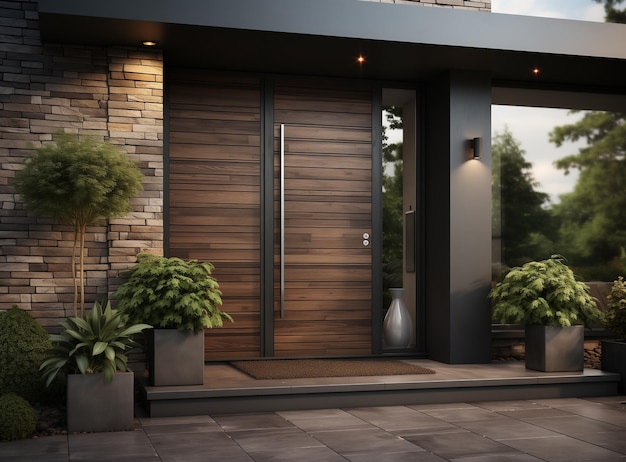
column 398, row 324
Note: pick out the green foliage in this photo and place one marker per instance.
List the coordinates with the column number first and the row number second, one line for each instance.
column 17, row 418
column 592, row 219
column 518, row 216
column 77, row 180
column 392, row 204
column 615, row 317
column 172, row 293
column 93, row 344
column 543, row 293
column 23, row 345
column 612, row 13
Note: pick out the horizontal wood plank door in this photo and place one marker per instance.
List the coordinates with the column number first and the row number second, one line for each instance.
column 214, row 195
column 327, row 212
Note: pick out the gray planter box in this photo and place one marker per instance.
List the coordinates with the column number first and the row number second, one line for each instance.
column 93, row 405
column 175, row 357
column 555, row 349
column 614, row 360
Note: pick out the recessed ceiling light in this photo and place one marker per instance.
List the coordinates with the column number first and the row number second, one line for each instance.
column 148, row 43
column 360, row 59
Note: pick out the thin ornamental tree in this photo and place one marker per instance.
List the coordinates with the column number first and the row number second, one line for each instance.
column 77, row 180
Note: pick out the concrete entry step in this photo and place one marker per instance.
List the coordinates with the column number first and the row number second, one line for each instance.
column 229, row 391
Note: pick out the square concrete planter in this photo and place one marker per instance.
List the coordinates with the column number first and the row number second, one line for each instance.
column 175, row 357
column 555, row 349
column 613, row 359
column 94, row 405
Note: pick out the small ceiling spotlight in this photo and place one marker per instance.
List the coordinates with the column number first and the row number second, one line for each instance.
column 536, row 71
column 360, row 59
column 148, row 43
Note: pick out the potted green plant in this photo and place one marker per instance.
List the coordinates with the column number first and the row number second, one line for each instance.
column 613, row 357
column 554, row 307
column 180, row 299
column 92, row 352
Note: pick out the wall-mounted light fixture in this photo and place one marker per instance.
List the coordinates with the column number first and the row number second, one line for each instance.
column 148, row 43
column 475, row 148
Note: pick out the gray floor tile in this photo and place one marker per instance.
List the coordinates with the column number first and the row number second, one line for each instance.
column 573, row 425
column 457, row 445
column 189, row 443
column 614, row 441
column 192, row 419
column 363, row 441
column 234, row 454
column 500, row 406
column 504, row 428
column 563, row 449
column 46, row 446
column 273, row 439
column 402, row 420
column 305, row 454
column 251, row 421
column 182, row 428
column 422, row 456
column 456, row 416
column 116, row 445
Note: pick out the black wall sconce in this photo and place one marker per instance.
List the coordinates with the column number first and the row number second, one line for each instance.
column 475, row 148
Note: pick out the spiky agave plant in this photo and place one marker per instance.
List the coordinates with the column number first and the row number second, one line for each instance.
column 94, row 344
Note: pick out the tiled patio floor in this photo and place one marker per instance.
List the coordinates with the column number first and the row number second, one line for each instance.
column 574, row 429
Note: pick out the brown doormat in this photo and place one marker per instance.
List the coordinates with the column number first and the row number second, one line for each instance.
column 311, row 368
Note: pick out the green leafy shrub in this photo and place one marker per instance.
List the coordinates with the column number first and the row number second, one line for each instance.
column 172, row 293
column 94, row 344
column 23, row 346
column 544, row 293
column 615, row 319
column 17, row 418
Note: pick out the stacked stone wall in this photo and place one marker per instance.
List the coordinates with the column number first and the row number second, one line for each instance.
column 112, row 94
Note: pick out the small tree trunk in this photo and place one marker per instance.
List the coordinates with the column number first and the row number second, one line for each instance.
column 74, row 280
column 82, row 269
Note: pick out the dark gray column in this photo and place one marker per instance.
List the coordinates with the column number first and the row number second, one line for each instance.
column 458, row 218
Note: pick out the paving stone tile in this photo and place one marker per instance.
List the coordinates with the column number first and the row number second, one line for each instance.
column 273, row 439
column 422, row 456
column 614, row 441
column 563, row 449
column 573, row 425
column 456, row 416
column 114, row 445
column 361, row 441
column 504, row 427
column 457, row 445
column 49, row 446
column 305, row 454
column 401, row 420
column 251, row 421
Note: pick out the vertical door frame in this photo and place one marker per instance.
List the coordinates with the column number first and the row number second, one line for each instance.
column 267, row 218
column 377, row 220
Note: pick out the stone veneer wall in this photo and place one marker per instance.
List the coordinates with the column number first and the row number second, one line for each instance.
column 480, row 5
column 113, row 94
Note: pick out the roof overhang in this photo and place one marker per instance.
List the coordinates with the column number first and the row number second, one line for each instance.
column 324, row 37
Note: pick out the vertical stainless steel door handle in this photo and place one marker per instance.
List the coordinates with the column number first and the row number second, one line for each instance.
column 282, row 220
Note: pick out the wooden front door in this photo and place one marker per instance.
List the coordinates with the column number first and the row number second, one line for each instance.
column 217, row 179
column 323, row 138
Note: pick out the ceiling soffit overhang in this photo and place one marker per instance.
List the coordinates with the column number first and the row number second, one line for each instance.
column 324, row 37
